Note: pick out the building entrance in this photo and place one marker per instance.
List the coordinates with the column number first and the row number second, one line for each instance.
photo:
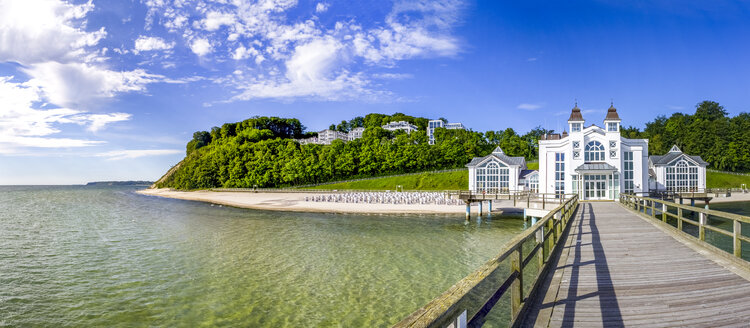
column 595, row 186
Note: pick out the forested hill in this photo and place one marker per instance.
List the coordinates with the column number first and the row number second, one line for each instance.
column 722, row 141
column 262, row 152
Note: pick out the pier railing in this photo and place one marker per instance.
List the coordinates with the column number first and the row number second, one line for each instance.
column 683, row 217
column 471, row 300
column 517, row 197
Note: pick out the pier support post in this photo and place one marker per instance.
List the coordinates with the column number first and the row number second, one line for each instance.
column 524, row 215
column 533, row 220
column 489, row 207
column 480, row 207
column 692, row 201
column 468, row 211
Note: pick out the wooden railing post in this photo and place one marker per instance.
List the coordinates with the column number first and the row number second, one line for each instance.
column 736, row 233
column 701, row 226
column 679, row 218
column 516, row 288
column 543, row 251
column 653, row 209
column 664, row 211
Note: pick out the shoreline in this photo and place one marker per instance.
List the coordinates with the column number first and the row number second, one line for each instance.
column 295, row 202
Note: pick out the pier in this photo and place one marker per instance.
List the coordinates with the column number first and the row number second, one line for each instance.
column 637, row 262
column 535, row 205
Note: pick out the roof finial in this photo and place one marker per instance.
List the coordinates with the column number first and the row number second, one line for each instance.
column 611, row 102
column 576, row 102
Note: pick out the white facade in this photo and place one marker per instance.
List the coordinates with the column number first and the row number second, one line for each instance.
column 325, row 137
column 677, row 171
column 400, row 125
column 593, row 162
column 355, row 133
column 496, row 172
column 433, row 124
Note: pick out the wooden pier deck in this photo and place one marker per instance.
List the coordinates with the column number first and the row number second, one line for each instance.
column 617, row 269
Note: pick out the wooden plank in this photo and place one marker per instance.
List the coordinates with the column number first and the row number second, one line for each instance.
column 622, row 271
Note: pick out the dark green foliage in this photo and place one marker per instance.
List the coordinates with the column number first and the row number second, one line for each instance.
column 722, row 141
column 260, row 152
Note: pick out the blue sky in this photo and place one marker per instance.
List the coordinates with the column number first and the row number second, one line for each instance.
column 112, row 90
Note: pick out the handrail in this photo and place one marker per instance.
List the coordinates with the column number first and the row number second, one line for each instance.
column 459, row 304
column 644, row 204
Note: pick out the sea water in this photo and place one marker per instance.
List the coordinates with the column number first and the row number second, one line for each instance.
column 82, row 256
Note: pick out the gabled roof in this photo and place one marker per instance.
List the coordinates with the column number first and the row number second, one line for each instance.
column 527, row 173
column 674, row 154
column 499, row 155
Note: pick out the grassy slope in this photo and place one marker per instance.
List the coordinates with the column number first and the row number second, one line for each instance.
column 458, row 180
column 723, row 180
column 455, row 180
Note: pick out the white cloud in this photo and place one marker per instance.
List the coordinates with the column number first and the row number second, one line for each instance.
column 150, row 43
column 68, row 74
column 527, row 106
column 201, row 47
column 294, row 64
column 24, row 124
column 98, row 121
column 313, row 71
column 80, row 85
column 393, row 76
column 130, row 154
column 321, row 7
column 215, row 20
column 33, row 31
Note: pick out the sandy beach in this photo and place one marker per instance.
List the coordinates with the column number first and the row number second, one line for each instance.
column 296, row 202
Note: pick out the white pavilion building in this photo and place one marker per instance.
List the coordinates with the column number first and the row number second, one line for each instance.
column 677, row 171
column 497, row 172
column 594, row 162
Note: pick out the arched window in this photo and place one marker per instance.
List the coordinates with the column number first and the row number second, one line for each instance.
column 683, row 176
column 493, row 177
column 594, row 152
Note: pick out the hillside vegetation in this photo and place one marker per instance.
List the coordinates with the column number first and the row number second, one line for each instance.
column 261, row 152
column 722, row 141
column 726, row 180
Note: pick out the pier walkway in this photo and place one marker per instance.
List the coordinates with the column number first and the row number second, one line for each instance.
column 617, row 269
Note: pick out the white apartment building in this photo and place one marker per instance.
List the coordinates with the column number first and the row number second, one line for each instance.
column 593, row 162
column 433, row 124
column 400, row 125
column 325, row 137
column 355, row 133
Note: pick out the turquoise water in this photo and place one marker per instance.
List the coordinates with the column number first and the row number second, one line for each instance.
column 105, row 256
column 714, row 238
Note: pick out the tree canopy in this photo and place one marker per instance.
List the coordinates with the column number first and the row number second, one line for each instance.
column 722, row 141
column 261, row 152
